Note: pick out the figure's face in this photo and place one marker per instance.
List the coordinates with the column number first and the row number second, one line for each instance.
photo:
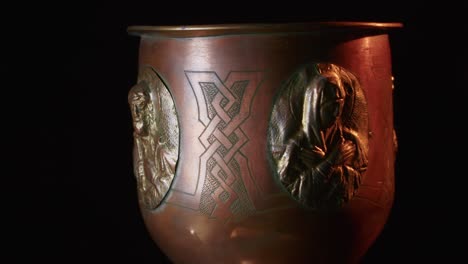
column 331, row 103
column 140, row 104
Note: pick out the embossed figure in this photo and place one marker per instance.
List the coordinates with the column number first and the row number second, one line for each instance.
column 156, row 146
column 319, row 136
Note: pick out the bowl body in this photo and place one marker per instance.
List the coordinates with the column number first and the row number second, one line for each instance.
column 264, row 143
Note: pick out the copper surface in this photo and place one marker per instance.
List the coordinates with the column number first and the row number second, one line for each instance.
column 225, row 29
column 227, row 203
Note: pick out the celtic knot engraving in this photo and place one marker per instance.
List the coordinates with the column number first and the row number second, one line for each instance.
column 223, row 107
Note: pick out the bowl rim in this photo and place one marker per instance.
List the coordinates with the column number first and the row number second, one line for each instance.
column 202, row 30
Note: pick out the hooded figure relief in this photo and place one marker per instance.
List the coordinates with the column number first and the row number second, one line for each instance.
column 319, row 136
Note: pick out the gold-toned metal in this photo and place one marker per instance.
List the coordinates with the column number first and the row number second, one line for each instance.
column 224, row 29
column 156, row 137
column 319, row 135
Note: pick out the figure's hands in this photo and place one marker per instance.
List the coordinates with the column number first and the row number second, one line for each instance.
column 311, row 156
column 346, row 150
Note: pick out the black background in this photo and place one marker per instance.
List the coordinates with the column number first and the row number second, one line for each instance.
column 72, row 194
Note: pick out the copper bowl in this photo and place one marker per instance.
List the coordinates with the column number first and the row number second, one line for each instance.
column 264, row 143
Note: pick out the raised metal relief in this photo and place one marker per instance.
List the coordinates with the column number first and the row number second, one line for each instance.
column 156, row 137
column 318, row 135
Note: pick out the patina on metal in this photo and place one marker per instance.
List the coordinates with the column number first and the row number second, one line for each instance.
column 318, row 135
column 156, row 137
